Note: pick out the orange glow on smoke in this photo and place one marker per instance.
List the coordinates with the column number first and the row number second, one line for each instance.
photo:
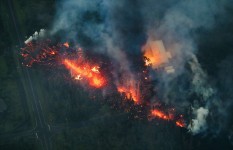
column 84, row 70
column 155, row 53
column 159, row 114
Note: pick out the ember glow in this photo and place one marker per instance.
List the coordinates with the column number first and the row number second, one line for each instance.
column 66, row 44
column 39, row 52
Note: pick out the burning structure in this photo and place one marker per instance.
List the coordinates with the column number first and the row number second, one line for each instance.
column 157, row 56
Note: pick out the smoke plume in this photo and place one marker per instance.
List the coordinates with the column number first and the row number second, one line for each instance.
column 120, row 29
column 35, row 36
column 199, row 124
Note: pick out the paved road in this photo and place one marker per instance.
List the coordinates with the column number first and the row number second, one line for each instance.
column 41, row 126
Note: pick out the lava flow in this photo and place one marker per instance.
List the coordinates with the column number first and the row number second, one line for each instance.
column 131, row 86
column 159, row 114
column 180, row 123
column 91, row 74
column 156, row 113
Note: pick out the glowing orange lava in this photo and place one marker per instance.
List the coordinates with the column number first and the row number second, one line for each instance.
column 180, row 123
column 85, row 70
column 159, row 114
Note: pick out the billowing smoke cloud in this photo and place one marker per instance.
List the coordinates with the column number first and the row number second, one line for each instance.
column 190, row 85
column 120, row 28
column 199, row 123
column 36, row 35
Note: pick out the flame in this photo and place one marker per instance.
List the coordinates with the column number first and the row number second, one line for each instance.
column 129, row 87
column 84, row 70
column 159, row 114
column 153, row 58
column 66, row 44
column 129, row 92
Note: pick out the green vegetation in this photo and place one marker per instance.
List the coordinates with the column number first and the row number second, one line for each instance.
column 22, row 144
column 16, row 112
column 16, row 115
column 117, row 133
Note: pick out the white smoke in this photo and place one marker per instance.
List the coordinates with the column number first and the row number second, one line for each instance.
column 36, row 35
column 199, row 123
column 200, row 81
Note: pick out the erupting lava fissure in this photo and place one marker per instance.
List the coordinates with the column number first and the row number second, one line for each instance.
column 90, row 72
